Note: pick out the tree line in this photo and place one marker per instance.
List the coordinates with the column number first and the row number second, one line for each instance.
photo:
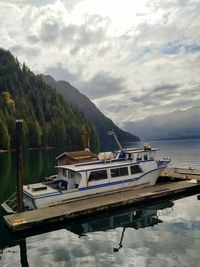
column 48, row 119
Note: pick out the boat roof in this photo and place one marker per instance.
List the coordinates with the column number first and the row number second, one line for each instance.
column 98, row 165
column 137, row 150
column 77, row 154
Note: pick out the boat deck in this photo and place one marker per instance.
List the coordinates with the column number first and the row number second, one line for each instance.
column 39, row 217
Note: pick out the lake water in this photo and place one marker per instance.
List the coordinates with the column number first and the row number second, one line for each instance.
column 165, row 233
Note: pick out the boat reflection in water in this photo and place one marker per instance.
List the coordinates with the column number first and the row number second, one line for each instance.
column 131, row 217
column 135, row 218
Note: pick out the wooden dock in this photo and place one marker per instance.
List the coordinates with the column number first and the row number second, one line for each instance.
column 36, row 218
column 181, row 173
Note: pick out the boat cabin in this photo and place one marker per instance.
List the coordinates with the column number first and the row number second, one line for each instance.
column 111, row 168
column 68, row 158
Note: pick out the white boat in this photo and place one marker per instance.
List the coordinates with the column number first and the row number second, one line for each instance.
column 126, row 168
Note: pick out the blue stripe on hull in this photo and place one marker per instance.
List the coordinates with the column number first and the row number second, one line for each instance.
column 106, row 184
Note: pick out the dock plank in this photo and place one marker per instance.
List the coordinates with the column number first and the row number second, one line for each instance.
column 30, row 219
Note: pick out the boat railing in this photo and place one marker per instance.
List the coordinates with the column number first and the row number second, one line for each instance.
column 10, row 205
column 51, row 178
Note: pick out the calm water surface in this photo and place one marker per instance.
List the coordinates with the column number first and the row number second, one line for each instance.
column 165, row 233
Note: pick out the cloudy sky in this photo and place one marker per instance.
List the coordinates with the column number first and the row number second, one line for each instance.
column 131, row 58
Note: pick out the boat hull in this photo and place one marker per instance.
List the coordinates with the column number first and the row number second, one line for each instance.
column 143, row 180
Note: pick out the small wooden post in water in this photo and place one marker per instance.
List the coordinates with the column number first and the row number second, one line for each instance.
column 19, row 159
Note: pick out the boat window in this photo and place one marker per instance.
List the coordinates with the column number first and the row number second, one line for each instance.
column 119, row 172
column 64, row 172
column 139, row 157
column 122, row 219
column 121, row 155
column 98, row 175
column 145, row 157
column 130, row 156
column 135, row 169
column 71, row 174
column 102, row 224
column 152, row 155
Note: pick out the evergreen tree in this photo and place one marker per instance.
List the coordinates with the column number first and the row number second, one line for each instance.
column 4, row 136
column 35, row 134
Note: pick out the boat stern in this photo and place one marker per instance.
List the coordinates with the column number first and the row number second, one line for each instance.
column 33, row 192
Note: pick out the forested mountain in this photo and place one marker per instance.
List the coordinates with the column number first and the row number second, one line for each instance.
column 179, row 124
column 91, row 112
column 48, row 119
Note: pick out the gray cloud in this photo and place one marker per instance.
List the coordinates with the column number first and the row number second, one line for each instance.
column 181, row 97
column 50, row 32
column 102, row 85
column 32, row 39
column 86, row 37
column 69, row 4
column 24, row 49
column 36, row 3
column 53, row 32
column 150, row 95
column 59, row 72
column 166, row 87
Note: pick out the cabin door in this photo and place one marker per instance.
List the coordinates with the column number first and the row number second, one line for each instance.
column 71, row 180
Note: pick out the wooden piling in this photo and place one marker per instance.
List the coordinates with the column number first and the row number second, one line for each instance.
column 19, row 161
column 85, row 140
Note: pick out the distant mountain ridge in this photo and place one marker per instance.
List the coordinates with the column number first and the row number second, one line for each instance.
column 179, row 124
column 90, row 111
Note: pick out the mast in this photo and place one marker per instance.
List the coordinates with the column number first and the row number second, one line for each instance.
column 116, row 139
column 121, row 240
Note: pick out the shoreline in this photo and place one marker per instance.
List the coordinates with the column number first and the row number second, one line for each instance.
column 4, row 151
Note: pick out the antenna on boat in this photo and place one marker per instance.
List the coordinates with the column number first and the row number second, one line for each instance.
column 116, row 139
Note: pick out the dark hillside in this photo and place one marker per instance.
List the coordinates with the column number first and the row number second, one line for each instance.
column 48, row 119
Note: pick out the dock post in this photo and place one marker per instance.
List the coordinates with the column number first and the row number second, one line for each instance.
column 19, row 160
column 23, row 253
column 85, row 140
